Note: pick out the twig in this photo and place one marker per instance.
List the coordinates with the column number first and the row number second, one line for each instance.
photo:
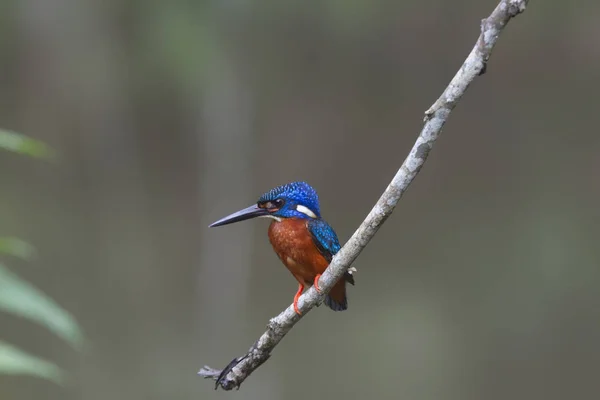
column 435, row 117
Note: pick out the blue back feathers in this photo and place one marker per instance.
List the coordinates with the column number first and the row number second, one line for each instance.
column 324, row 237
column 327, row 242
column 294, row 194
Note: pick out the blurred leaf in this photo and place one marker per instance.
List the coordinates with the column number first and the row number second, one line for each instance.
column 14, row 361
column 21, row 298
column 22, row 144
column 16, row 247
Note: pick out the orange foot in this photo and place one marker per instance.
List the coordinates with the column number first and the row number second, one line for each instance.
column 316, row 284
column 296, row 297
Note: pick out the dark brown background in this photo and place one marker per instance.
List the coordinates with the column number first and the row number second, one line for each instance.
column 169, row 115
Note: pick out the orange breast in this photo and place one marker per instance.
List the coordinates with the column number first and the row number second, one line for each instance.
column 294, row 245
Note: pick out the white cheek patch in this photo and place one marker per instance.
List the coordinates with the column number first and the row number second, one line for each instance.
column 271, row 216
column 305, row 210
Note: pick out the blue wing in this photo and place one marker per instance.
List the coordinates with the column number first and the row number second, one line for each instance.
column 324, row 237
column 326, row 241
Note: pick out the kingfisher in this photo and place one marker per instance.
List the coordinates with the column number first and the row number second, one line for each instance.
column 303, row 241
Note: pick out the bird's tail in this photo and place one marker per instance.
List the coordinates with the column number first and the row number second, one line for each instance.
column 336, row 299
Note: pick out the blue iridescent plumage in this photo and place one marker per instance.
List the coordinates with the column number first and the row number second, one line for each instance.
column 324, row 237
column 328, row 244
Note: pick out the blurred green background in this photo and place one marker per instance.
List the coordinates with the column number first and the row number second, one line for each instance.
column 165, row 116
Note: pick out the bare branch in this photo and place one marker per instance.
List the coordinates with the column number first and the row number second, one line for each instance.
column 435, row 117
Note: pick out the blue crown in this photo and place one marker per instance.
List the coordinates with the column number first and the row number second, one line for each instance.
column 295, row 193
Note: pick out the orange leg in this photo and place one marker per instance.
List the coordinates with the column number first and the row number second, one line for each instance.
column 296, row 297
column 316, row 284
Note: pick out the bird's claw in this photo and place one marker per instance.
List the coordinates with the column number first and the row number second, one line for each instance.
column 296, row 308
column 316, row 283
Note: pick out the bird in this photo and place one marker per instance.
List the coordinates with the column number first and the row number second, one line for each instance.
column 304, row 242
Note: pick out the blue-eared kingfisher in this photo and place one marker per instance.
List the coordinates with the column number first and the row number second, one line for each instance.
column 304, row 242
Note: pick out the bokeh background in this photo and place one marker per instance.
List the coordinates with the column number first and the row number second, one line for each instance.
column 484, row 284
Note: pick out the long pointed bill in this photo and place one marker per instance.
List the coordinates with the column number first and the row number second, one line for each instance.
column 250, row 212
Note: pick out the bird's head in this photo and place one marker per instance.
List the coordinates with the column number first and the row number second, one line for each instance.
column 294, row 200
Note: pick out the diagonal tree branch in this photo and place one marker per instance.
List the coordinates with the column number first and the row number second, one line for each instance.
column 240, row 368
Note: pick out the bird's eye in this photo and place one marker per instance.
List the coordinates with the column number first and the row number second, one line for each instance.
column 272, row 205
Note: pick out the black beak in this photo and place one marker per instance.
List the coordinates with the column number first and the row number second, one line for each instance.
column 250, row 212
